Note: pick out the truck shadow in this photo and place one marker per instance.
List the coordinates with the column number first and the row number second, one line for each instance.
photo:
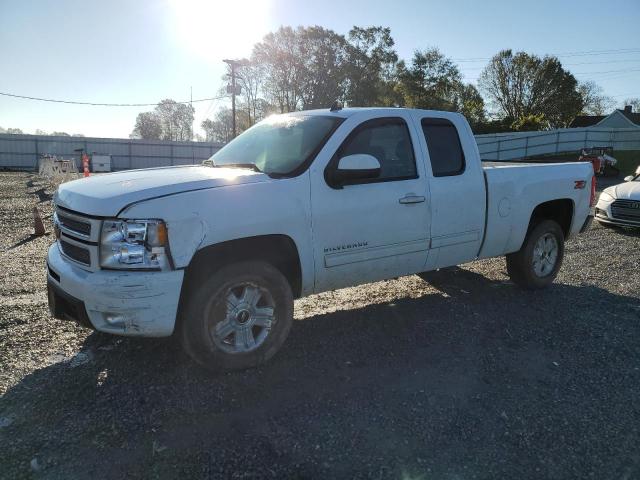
column 429, row 382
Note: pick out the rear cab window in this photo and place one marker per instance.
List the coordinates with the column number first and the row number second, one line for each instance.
column 445, row 150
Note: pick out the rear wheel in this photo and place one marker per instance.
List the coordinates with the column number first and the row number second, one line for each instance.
column 237, row 318
column 537, row 263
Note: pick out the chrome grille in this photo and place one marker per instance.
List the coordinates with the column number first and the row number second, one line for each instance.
column 78, row 237
column 79, row 254
column 76, row 226
column 626, row 210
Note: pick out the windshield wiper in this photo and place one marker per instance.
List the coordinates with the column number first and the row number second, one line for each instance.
column 251, row 166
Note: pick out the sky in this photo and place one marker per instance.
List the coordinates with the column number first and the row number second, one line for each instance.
column 142, row 51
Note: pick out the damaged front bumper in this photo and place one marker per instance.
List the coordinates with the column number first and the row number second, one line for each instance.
column 123, row 303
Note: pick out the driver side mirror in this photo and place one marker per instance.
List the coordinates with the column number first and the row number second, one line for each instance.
column 350, row 169
column 628, row 178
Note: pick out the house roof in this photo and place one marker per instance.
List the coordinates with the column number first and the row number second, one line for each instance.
column 634, row 117
column 591, row 120
column 586, row 120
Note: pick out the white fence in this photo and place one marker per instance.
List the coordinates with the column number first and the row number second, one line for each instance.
column 517, row 145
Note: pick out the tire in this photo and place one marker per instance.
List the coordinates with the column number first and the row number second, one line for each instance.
column 520, row 265
column 226, row 322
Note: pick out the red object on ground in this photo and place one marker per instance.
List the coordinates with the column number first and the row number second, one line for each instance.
column 595, row 160
column 85, row 164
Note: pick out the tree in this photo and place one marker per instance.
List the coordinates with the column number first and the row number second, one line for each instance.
column 521, row 85
column 170, row 120
column 323, row 67
column 371, row 60
column 60, row 134
column 148, row 126
column 529, row 123
column 304, row 68
column 40, row 132
column 279, row 53
column 634, row 103
column 176, row 120
column 15, row 131
column 432, row 81
column 250, row 76
column 594, row 101
column 220, row 129
column 469, row 102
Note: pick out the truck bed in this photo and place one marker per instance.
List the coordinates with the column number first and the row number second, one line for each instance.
column 514, row 189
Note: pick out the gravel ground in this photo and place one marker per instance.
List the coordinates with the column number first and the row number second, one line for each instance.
column 463, row 377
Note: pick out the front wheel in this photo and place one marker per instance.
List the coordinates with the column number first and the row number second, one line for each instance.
column 537, row 263
column 237, row 318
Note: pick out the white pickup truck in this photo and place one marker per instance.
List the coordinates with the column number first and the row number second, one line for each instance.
column 298, row 204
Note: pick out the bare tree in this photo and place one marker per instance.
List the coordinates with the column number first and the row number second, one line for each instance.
column 634, row 103
column 595, row 102
column 250, row 76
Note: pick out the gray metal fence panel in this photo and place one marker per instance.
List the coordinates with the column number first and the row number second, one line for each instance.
column 22, row 151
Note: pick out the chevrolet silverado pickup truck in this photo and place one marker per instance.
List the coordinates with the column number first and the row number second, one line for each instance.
column 298, row 204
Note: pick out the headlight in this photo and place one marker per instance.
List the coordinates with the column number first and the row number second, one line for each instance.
column 605, row 197
column 134, row 244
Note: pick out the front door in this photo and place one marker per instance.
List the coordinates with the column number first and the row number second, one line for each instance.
column 377, row 228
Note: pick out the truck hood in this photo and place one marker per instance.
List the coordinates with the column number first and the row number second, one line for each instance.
column 106, row 195
column 625, row 191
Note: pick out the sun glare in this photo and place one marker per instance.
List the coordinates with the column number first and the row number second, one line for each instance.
column 217, row 29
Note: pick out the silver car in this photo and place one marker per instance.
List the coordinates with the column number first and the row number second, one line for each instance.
column 619, row 205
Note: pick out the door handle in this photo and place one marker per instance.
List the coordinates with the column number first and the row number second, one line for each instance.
column 411, row 199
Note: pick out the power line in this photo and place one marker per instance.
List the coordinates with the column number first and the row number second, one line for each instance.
column 625, row 95
column 566, row 54
column 608, row 71
column 94, row 104
column 631, row 60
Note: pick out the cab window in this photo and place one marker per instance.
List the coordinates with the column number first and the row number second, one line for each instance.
column 389, row 141
column 443, row 143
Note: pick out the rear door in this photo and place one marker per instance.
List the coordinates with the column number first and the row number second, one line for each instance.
column 378, row 228
column 458, row 191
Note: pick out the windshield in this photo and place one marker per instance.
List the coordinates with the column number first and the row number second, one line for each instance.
column 279, row 145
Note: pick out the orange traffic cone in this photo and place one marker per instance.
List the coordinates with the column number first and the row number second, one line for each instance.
column 38, row 226
column 85, row 165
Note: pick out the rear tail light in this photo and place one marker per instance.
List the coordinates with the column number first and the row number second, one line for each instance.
column 593, row 191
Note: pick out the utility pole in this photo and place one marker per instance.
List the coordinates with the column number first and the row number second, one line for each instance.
column 234, row 90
